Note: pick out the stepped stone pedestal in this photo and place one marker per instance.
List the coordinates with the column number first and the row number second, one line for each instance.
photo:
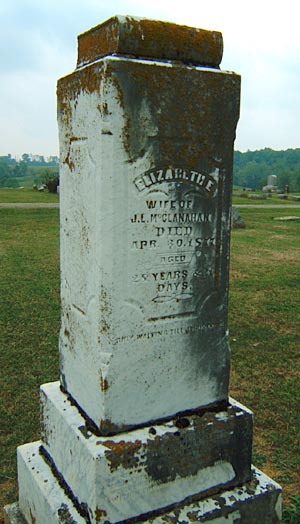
column 140, row 427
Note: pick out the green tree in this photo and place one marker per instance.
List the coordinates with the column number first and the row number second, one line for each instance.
column 6, row 180
column 51, row 180
column 252, row 168
column 20, row 169
column 26, row 158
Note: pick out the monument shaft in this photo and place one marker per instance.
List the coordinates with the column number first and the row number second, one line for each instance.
column 146, row 150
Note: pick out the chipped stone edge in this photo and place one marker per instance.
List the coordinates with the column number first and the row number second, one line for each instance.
column 41, row 498
column 12, row 514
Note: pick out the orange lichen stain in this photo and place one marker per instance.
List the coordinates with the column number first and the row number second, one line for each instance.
column 122, row 454
column 165, row 40
column 103, row 327
column 193, row 517
column 105, row 301
column 69, row 162
column 103, row 383
column 33, row 519
column 99, row 513
column 98, row 41
column 150, row 39
column 118, row 447
column 80, row 81
column 106, row 428
column 186, row 126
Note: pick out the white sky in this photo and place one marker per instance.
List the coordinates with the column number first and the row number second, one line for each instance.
column 38, row 44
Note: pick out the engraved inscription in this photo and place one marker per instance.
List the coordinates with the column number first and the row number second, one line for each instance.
column 173, row 240
column 176, row 174
column 188, row 330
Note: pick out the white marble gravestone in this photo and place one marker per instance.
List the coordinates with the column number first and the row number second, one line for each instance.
column 146, row 151
column 140, row 426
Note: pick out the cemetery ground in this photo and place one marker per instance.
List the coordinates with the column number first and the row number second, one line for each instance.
column 27, row 195
column 264, row 322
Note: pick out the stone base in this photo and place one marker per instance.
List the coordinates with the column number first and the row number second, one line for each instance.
column 256, row 502
column 135, row 473
column 187, row 469
column 41, row 498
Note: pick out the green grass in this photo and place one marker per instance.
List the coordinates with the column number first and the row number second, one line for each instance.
column 264, row 323
column 291, row 514
column 27, row 195
column 29, row 323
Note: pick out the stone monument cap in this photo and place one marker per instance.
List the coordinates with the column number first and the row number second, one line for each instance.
column 150, row 39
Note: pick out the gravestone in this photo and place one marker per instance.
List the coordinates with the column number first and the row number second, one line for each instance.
column 271, row 186
column 140, row 426
column 237, row 221
column 272, row 180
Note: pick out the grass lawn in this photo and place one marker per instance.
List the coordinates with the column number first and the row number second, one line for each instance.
column 27, row 195
column 29, row 323
column 264, row 325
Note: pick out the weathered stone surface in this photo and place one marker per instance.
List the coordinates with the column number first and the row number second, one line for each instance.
column 41, row 498
column 12, row 514
column 256, row 196
column 145, row 221
column 143, row 38
column 283, row 196
column 237, row 221
column 146, row 469
column 287, row 218
column 256, row 502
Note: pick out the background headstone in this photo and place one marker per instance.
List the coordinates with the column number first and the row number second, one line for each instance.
column 236, row 220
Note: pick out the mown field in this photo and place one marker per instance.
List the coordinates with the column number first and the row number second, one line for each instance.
column 29, row 323
column 264, row 324
column 240, row 197
column 24, row 195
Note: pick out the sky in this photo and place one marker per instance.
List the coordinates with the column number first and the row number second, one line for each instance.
column 38, row 45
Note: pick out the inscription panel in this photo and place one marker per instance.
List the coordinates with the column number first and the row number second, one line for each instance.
column 173, row 241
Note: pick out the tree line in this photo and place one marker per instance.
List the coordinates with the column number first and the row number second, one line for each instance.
column 29, row 159
column 29, row 170
column 252, row 168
